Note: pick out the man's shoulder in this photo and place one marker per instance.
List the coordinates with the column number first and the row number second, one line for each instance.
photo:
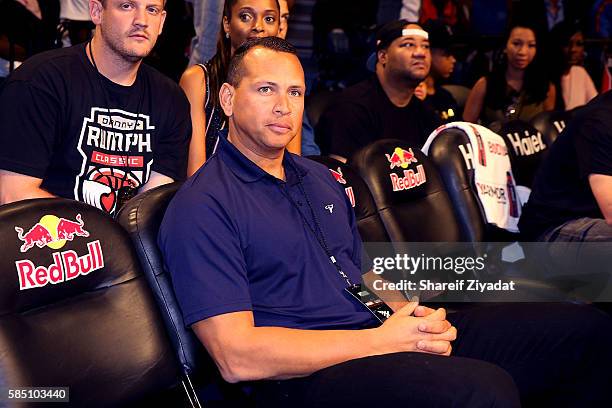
column 358, row 99
column 160, row 82
column 49, row 65
column 315, row 170
column 595, row 114
column 361, row 93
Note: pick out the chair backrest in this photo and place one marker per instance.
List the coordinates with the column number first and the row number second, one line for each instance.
column 75, row 309
column 142, row 217
column 409, row 194
column 551, row 124
column 450, row 151
column 317, row 102
column 527, row 149
column 369, row 223
column 459, row 92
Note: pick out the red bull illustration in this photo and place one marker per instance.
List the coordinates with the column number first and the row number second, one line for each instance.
column 338, row 176
column 67, row 229
column 51, row 231
column 37, row 235
column 401, row 158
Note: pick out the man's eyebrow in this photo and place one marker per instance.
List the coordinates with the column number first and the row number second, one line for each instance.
column 264, row 82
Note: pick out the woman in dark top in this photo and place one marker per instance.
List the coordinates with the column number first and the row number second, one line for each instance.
column 242, row 19
column 517, row 88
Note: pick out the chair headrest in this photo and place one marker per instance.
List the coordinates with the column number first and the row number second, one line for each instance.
column 551, row 123
column 58, row 248
column 527, row 148
column 354, row 186
column 396, row 173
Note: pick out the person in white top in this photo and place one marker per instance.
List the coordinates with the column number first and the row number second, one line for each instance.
column 574, row 85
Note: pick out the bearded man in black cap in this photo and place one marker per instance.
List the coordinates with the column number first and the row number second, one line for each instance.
column 383, row 106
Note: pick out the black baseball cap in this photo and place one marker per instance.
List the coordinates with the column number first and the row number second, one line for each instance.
column 440, row 35
column 385, row 36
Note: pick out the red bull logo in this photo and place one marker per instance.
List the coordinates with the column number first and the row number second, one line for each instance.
column 338, row 176
column 67, row 265
column 401, row 158
column 51, row 231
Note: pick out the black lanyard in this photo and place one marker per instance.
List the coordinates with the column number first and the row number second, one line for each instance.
column 317, row 231
column 376, row 306
column 126, row 189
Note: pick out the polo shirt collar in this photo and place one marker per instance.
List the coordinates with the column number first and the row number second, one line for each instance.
column 248, row 171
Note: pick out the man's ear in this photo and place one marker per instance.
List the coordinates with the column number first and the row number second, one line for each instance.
column 382, row 56
column 95, row 11
column 163, row 19
column 226, row 99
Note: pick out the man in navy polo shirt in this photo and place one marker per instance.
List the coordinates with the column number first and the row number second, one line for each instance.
column 261, row 244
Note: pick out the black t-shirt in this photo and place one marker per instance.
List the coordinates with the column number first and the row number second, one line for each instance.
column 364, row 114
column 62, row 122
column 443, row 103
column 561, row 190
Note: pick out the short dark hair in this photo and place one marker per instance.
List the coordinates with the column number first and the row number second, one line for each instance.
column 235, row 70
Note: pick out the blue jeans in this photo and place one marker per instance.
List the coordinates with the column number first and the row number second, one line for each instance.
column 580, row 230
column 207, row 16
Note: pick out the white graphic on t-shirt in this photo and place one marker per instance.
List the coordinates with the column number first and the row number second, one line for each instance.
column 116, row 147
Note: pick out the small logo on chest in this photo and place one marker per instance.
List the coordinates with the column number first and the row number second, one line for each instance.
column 330, row 208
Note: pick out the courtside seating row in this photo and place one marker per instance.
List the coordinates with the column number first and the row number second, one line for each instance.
column 85, row 301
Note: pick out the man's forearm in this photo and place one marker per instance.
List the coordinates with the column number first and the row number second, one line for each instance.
column 9, row 195
column 282, row 353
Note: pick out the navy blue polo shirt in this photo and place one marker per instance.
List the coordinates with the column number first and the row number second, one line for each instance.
column 234, row 241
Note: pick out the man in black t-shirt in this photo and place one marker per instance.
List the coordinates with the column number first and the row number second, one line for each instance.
column 91, row 122
column 383, row 106
column 572, row 195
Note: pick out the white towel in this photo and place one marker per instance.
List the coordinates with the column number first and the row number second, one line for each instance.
column 493, row 179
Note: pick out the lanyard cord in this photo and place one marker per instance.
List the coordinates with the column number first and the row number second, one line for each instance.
column 317, row 231
column 124, row 192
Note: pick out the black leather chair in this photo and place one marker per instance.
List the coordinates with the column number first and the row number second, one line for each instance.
column 551, row 124
column 527, row 149
column 141, row 217
column 75, row 309
column 447, row 153
column 409, row 194
column 369, row 223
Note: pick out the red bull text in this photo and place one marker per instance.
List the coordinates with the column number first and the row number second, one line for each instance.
column 67, row 265
column 410, row 180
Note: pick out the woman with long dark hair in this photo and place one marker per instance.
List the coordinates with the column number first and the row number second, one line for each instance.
column 573, row 84
column 517, row 87
column 242, row 19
